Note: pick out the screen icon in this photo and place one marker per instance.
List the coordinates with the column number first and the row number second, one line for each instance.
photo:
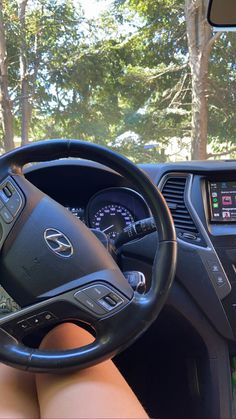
column 226, row 200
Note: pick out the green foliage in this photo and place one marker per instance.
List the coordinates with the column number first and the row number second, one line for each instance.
column 222, row 94
column 121, row 79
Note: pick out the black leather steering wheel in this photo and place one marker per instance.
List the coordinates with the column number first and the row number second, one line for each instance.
column 57, row 270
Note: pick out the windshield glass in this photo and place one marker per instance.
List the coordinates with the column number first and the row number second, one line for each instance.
column 149, row 79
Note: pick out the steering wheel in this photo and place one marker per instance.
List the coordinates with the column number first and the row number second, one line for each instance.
column 57, row 270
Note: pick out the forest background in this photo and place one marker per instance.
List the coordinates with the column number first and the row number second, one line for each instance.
column 148, row 78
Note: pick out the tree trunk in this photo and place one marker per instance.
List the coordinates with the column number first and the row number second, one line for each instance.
column 200, row 41
column 5, row 101
column 24, row 77
column 199, row 110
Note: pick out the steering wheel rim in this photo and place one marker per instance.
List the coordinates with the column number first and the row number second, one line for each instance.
column 120, row 327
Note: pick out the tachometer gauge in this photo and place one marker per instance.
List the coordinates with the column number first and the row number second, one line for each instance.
column 112, row 219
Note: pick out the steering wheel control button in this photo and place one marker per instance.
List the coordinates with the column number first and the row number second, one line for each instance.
column 104, row 296
column 105, row 304
column 3, row 196
column 10, row 203
column 14, row 204
column 47, row 316
column 41, row 318
column 7, row 192
column 34, row 321
column 114, row 297
column 23, row 325
column 10, row 187
column 6, row 215
column 97, row 291
column 110, row 301
column 88, row 303
column 58, row 242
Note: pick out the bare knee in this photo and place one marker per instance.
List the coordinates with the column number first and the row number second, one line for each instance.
column 98, row 391
column 66, row 336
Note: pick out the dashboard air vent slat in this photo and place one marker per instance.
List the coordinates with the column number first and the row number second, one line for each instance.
column 173, row 192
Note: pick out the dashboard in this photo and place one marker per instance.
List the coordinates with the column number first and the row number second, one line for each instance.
column 202, row 199
column 111, row 210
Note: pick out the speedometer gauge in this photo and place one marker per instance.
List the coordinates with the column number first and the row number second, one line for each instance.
column 111, row 210
column 112, row 219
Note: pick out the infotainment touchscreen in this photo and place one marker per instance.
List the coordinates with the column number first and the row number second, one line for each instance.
column 223, row 201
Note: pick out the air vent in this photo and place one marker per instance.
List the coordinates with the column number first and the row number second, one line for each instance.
column 173, row 192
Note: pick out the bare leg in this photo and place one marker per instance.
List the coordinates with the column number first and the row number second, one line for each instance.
column 18, row 397
column 96, row 392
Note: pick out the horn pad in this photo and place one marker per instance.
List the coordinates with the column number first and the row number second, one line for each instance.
column 58, row 249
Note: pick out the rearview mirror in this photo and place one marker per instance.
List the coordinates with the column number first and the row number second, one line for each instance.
column 222, row 14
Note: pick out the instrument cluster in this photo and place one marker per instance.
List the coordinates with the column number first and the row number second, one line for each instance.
column 112, row 209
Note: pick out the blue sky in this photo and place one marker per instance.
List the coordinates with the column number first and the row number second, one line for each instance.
column 93, row 8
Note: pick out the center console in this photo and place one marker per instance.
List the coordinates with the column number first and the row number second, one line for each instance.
column 219, row 220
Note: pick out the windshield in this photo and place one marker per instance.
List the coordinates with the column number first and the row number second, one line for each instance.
column 149, row 79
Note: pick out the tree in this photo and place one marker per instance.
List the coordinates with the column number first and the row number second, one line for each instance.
column 222, row 98
column 186, row 85
column 130, row 79
column 200, row 43
column 6, row 104
column 156, row 79
column 24, row 76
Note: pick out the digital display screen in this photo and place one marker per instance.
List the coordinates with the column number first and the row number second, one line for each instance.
column 78, row 212
column 223, row 201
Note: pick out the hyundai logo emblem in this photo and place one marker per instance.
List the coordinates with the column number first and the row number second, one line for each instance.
column 58, row 242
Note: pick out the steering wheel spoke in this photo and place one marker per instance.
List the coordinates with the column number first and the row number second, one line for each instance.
column 11, row 204
column 96, row 298
column 25, row 321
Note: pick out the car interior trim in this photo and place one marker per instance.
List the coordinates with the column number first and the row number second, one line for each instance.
column 204, row 252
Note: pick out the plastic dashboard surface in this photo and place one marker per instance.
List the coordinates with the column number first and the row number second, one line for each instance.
column 207, row 251
column 99, row 198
